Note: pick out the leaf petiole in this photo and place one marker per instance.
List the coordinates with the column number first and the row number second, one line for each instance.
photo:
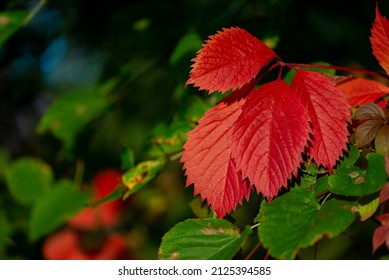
column 339, row 68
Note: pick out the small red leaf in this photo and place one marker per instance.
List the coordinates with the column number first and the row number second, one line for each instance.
column 270, row 136
column 361, row 91
column 384, row 193
column 380, row 40
column 328, row 111
column 381, row 234
column 229, row 60
column 207, row 156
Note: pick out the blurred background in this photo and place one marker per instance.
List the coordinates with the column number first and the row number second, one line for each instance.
column 89, row 89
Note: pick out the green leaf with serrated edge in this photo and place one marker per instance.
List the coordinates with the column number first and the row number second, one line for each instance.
column 28, row 179
column 311, row 169
column 54, row 207
column 350, row 158
column 69, row 113
column 310, row 181
column 202, row 239
column 10, row 22
column 367, row 210
column 296, row 220
column 291, row 73
column 307, row 181
column 137, row 177
column 352, row 180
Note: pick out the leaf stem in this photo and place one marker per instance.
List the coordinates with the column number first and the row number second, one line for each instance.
column 176, row 156
column 340, row 68
column 34, row 11
column 255, row 249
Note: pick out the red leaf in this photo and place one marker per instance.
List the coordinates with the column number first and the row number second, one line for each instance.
column 270, row 136
column 361, row 91
column 328, row 112
column 381, row 234
column 380, row 40
column 229, row 60
column 207, row 156
column 384, row 193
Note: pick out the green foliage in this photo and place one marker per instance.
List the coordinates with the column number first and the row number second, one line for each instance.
column 352, row 180
column 137, row 177
column 54, row 207
column 300, row 221
column 28, row 179
column 204, row 239
column 69, row 114
column 10, row 22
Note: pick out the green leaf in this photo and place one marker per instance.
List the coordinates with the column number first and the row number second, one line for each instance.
column 10, row 22
column 350, row 158
column 352, row 180
column 187, row 46
column 167, row 139
column 310, row 180
column 321, row 185
column 115, row 194
column 128, row 158
column 312, row 169
column 137, row 177
column 53, row 208
column 367, row 210
column 296, row 220
column 307, row 181
column 69, row 113
column 202, row 239
column 28, row 179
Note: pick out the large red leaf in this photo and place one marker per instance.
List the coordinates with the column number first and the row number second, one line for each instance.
column 229, row 60
column 207, row 157
column 380, row 40
column 270, row 136
column 328, row 112
column 361, row 91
